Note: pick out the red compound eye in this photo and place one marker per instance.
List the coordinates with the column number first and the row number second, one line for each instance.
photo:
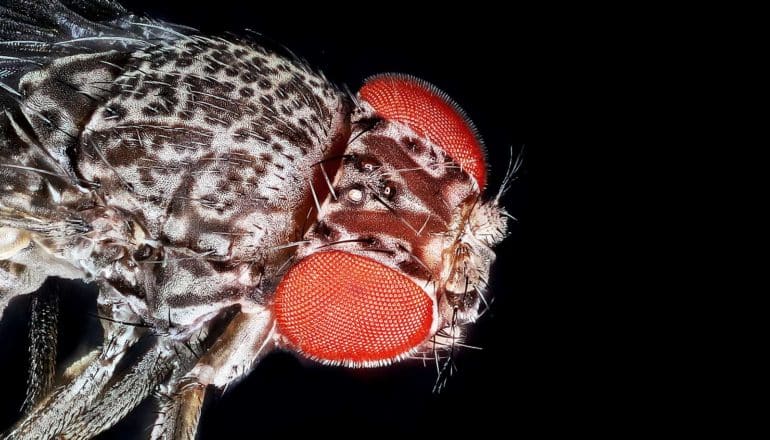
column 341, row 307
column 431, row 112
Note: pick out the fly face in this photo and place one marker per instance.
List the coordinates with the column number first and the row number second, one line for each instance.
column 400, row 255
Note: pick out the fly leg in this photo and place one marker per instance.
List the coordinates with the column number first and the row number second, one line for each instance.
column 90, row 376
column 180, row 410
column 161, row 370
column 245, row 340
column 43, row 334
column 129, row 390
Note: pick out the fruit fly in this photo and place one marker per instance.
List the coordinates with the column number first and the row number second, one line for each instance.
column 228, row 201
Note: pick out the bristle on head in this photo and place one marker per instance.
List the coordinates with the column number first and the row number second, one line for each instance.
column 343, row 308
column 430, row 112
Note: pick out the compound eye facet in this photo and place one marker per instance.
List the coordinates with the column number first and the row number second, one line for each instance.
column 430, row 112
column 339, row 307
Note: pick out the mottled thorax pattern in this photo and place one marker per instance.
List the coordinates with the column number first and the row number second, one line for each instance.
column 209, row 146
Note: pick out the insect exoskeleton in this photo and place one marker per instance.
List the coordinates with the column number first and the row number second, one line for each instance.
column 227, row 200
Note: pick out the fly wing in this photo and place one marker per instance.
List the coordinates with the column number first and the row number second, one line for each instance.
column 36, row 32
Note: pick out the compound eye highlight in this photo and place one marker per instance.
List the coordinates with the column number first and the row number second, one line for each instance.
column 343, row 308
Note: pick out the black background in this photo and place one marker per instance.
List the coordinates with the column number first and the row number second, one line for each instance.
column 514, row 73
